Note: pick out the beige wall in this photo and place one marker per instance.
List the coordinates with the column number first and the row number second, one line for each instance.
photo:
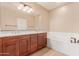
column 65, row 19
column 0, row 18
column 8, row 17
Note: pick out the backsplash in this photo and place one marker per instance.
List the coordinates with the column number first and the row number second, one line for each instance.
column 65, row 42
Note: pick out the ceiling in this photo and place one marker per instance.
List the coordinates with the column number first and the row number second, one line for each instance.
column 51, row 5
column 47, row 5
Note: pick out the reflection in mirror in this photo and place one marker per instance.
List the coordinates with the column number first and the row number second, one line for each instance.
column 13, row 19
column 21, row 24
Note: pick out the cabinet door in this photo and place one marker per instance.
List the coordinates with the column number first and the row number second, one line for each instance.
column 45, row 39
column 0, row 47
column 33, row 43
column 42, row 40
column 24, row 45
column 10, row 46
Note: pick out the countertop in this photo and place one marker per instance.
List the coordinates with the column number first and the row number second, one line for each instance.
column 16, row 33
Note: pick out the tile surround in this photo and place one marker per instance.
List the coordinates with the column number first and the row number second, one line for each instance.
column 60, row 41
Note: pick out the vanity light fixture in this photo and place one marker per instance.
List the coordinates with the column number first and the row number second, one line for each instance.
column 24, row 7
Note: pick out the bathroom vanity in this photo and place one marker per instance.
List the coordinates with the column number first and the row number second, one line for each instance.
column 23, row 44
column 20, row 32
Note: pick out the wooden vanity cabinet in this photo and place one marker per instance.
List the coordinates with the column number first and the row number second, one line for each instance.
column 0, row 47
column 42, row 40
column 10, row 46
column 33, row 43
column 24, row 47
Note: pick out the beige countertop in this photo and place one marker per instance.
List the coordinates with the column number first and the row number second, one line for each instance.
column 15, row 33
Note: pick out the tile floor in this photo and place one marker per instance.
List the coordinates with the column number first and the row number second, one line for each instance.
column 47, row 52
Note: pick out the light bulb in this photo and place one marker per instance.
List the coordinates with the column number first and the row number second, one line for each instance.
column 20, row 6
column 25, row 8
column 30, row 10
column 63, row 8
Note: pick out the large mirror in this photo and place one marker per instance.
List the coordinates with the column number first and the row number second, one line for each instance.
column 12, row 18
